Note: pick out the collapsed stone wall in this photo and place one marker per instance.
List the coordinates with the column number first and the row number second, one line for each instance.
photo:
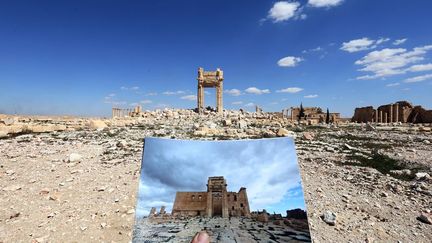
column 363, row 114
column 401, row 111
column 420, row 115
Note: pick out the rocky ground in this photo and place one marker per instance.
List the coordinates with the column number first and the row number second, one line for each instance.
column 219, row 229
column 70, row 179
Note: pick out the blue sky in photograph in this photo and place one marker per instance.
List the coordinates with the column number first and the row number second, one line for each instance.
column 84, row 57
column 267, row 168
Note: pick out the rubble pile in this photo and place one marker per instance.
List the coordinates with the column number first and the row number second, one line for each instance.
column 77, row 178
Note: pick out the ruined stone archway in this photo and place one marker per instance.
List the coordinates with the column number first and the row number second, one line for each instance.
column 210, row 79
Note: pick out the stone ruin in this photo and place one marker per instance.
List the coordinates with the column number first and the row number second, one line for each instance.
column 312, row 115
column 210, row 79
column 162, row 213
column 216, row 201
column 401, row 111
column 119, row 112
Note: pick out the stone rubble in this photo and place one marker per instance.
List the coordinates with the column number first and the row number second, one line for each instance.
column 377, row 181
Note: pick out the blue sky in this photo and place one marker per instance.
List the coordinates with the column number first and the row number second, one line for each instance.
column 267, row 168
column 83, row 57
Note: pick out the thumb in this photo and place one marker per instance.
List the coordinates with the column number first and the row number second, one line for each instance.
column 201, row 237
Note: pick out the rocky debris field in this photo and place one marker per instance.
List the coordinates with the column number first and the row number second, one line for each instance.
column 220, row 230
column 76, row 179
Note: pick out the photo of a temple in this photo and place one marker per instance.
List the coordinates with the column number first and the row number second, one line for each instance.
column 232, row 191
column 216, row 201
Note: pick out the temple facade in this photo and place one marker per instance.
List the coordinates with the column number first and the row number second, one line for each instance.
column 216, row 201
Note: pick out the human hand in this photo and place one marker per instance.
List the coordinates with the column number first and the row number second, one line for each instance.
column 201, row 237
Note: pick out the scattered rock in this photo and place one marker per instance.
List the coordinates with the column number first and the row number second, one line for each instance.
column 97, row 124
column 3, row 134
column 369, row 127
column 227, row 122
column 422, row 176
column 74, row 157
column 12, row 188
column 308, row 136
column 282, row 132
column 329, row 217
column 242, row 124
column 425, row 218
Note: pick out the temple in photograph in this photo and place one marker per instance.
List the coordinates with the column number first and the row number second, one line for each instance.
column 216, row 201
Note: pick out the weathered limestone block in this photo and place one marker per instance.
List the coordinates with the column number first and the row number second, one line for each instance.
column 12, row 129
column 8, row 121
column 227, row 122
column 242, row 124
column 263, row 217
column 282, row 132
column 162, row 210
column 41, row 128
column 97, row 124
column 3, row 134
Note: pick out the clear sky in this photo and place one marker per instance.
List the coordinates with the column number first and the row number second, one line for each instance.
column 267, row 168
column 83, row 57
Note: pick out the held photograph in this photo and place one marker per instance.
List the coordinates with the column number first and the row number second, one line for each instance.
column 234, row 191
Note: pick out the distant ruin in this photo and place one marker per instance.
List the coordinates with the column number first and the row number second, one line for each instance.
column 216, row 201
column 119, row 112
column 210, row 79
column 401, row 111
column 312, row 115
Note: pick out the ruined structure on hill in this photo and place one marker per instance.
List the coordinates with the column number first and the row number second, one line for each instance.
column 312, row 115
column 401, row 111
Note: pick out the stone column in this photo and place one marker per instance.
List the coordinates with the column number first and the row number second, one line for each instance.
column 391, row 113
column 376, row 116
column 380, row 116
column 225, row 213
column 397, row 112
column 200, row 98
column 209, row 204
column 220, row 98
column 292, row 118
column 385, row 117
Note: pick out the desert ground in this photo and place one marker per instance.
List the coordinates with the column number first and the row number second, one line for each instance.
column 66, row 179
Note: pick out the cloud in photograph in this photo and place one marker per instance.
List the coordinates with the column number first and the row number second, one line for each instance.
column 310, row 96
column 399, row 42
column 267, row 168
column 255, row 90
